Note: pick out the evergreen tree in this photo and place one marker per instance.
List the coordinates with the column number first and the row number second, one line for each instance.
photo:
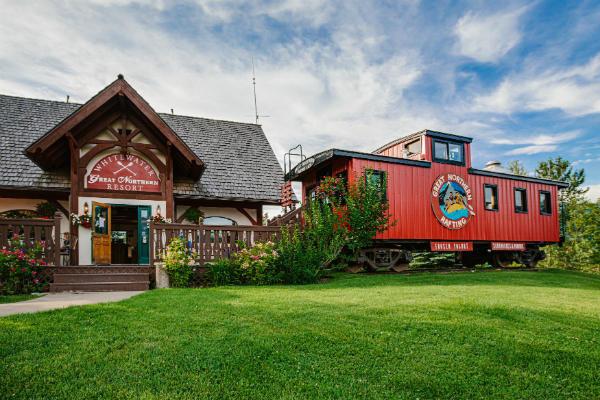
column 561, row 170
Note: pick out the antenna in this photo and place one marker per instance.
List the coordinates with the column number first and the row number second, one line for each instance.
column 256, row 116
column 254, row 87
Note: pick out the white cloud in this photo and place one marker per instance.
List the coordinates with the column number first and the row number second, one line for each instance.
column 487, row 38
column 318, row 94
column 593, row 194
column 575, row 90
column 534, row 149
column 543, row 139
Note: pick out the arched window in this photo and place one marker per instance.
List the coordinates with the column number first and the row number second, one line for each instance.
column 216, row 220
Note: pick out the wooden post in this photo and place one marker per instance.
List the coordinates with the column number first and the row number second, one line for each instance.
column 259, row 215
column 57, row 243
column 151, row 232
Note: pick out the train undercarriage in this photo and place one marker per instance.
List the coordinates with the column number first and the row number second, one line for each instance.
column 397, row 257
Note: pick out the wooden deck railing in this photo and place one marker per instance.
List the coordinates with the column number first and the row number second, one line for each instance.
column 210, row 242
column 31, row 231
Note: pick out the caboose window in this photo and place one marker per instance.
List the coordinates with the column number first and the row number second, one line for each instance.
column 491, row 197
column 545, row 206
column 378, row 177
column 414, row 147
column 448, row 152
column 520, row 200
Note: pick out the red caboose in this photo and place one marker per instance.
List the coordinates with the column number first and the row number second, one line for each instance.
column 441, row 203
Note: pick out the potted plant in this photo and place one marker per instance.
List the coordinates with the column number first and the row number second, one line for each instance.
column 193, row 215
column 45, row 210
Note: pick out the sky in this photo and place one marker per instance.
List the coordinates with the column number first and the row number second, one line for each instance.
column 521, row 78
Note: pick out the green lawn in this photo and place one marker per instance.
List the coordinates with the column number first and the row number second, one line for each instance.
column 17, row 297
column 470, row 335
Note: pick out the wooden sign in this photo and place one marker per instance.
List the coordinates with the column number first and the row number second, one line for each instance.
column 451, row 246
column 508, row 246
column 123, row 173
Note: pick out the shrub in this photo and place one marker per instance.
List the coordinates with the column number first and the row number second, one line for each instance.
column 299, row 261
column 22, row 271
column 255, row 265
column 178, row 263
column 223, row 272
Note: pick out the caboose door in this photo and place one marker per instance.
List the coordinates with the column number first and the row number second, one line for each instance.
column 101, row 236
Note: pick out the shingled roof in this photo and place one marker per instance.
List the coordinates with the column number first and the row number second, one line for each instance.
column 239, row 161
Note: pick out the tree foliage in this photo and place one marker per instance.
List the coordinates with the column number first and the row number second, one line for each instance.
column 562, row 170
column 581, row 248
column 516, row 167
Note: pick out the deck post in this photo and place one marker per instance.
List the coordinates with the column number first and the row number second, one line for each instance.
column 56, row 247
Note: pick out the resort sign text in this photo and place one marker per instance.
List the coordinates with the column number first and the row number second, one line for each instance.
column 125, row 173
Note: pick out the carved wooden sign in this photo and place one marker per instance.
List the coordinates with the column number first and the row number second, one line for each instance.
column 124, row 173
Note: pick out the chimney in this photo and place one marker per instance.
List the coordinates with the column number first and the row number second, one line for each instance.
column 495, row 166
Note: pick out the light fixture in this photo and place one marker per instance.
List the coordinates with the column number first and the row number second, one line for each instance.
column 86, row 208
column 158, row 211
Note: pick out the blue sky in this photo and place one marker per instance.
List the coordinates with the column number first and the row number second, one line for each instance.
column 522, row 78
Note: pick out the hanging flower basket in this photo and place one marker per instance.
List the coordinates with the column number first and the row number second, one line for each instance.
column 84, row 220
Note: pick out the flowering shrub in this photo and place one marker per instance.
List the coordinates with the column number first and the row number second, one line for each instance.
column 178, row 262
column 22, row 270
column 257, row 263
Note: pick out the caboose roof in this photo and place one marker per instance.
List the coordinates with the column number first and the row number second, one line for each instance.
column 426, row 132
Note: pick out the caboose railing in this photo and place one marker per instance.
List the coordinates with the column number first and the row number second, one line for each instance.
column 29, row 231
column 209, row 242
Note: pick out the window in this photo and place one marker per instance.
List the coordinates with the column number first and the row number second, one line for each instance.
column 448, row 152
column 414, row 147
column 379, row 178
column 520, row 200
column 545, row 206
column 491, row 197
column 216, row 220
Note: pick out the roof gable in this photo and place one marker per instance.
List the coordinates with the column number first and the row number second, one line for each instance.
column 239, row 161
column 119, row 92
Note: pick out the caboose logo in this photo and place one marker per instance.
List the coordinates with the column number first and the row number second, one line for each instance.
column 450, row 197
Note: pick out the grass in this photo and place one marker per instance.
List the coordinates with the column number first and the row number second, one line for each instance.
column 17, row 297
column 480, row 335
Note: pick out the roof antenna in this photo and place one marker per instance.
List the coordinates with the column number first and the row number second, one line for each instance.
column 68, row 98
column 256, row 116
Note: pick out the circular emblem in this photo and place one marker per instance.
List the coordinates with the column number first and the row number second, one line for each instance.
column 450, row 197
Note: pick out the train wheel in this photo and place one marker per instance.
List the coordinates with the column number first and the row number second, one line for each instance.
column 502, row 259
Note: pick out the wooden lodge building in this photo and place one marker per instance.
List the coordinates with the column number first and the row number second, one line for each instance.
column 121, row 163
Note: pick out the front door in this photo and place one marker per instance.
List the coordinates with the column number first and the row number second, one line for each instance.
column 101, row 237
column 143, row 235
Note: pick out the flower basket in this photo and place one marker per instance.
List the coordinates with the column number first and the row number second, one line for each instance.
column 84, row 220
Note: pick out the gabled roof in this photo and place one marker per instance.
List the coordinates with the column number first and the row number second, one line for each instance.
column 239, row 161
column 120, row 90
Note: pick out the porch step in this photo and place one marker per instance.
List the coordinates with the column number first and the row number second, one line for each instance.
column 100, row 277
column 90, row 278
column 100, row 286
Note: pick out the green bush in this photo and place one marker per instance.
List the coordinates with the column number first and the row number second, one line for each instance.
column 255, row 265
column 22, row 271
column 223, row 272
column 178, row 263
column 299, row 261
